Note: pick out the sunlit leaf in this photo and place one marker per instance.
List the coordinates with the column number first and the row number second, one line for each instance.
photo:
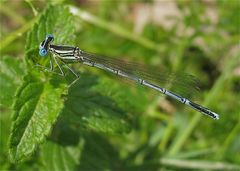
column 38, row 102
column 36, row 109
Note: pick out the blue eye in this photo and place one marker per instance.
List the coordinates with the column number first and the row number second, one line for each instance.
column 42, row 52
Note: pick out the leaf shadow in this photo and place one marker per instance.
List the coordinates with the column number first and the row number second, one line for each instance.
column 86, row 108
column 98, row 154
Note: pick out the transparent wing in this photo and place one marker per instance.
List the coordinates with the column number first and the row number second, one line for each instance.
column 181, row 83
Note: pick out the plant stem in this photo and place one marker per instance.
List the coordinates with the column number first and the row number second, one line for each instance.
column 11, row 13
column 14, row 35
column 228, row 141
column 112, row 27
column 195, row 164
column 166, row 137
column 185, row 164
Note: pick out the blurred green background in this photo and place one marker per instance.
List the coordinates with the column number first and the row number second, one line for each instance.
column 156, row 133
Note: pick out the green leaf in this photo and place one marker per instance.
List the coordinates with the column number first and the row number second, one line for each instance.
column 36, row 109
column 55, row 20
column 38, row 101
column 89, row 107
column 5, row 123
column 11, row 73
column 57, row 157
column 93, row 151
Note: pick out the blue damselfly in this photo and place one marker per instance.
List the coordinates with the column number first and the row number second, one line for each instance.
column 63, row 54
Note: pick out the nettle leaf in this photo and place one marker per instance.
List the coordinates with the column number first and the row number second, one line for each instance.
column 57, row 157
column 89, row 107
column 36, row 109
column 55, row 20
column 38, row 101
column 11, row 73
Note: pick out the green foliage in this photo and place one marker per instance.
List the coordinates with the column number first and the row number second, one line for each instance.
column 56, row 157
column 35, row 113
column 88, row 106
column 35, row 110
column 38, row 102
column 11, row 71
column 55, row 19
column 99, row 122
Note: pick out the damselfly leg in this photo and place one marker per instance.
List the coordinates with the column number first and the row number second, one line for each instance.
column 66, row 65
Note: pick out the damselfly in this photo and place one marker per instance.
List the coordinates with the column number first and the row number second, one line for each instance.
column 62, row 55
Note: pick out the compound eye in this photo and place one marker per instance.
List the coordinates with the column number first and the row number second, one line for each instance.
column 42, row 52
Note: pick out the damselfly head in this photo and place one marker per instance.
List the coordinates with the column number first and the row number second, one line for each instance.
column 49, row 37
column 43, row 47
